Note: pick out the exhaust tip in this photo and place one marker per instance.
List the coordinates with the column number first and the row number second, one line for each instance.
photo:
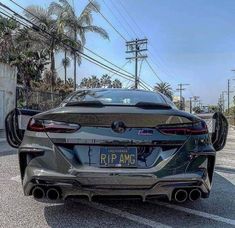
column 53, row 194
column 181, row 196
column 38, row 193
column 194, row 194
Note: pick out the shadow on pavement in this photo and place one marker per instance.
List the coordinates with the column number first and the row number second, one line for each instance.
column 6, row 153
column 225, row 169
column 221, row 203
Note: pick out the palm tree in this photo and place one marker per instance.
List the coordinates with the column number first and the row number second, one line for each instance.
column 77, row 26
column 90, row 82
column 164, row 88
column 65, row 63
column 7, row 47
column 105, row 81
column 116, row 84
column 44, row 19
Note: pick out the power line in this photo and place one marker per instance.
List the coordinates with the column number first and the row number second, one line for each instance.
column 87, row 57
column 124, row 19
column 111, row 11
column 129, row 15
column 69, row 38
column 121, row 67
column 125, row 39
column 108, row 21
column 141, row 32
column 137, row 47
column 76, row 42
column 154, row 72
column 44, row 31
column 82, row 54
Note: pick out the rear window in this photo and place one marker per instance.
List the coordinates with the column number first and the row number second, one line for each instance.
column 121, row 97
column 169, row 102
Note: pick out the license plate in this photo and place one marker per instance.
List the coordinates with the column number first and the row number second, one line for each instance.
column 118, row 157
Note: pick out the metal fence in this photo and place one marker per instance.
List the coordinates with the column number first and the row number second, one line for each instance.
column 231, row 120
column 37, row 100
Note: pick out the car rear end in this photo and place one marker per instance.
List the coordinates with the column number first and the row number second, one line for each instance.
column 94, row 150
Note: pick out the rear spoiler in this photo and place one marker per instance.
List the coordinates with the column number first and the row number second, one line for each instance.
column 218, row 128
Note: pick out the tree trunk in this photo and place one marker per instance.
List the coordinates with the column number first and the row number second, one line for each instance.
column 52, row 56
column 65, row 67
column 52, row 69
column 75, row 64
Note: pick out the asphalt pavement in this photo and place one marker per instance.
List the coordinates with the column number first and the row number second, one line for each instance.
column 16, row 210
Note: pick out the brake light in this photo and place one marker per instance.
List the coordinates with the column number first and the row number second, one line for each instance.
column 197, row 128
column 51, row 126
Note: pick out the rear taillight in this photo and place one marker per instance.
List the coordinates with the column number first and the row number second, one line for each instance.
column 197, row 128
column 51, row 126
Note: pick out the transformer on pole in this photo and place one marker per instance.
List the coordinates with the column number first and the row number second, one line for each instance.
column 137, row 47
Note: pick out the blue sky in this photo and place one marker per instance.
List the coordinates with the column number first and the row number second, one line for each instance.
column 190, row 41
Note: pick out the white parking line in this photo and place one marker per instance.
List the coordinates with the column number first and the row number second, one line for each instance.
column 16, row 178
column 197, row 213
column 124, row 214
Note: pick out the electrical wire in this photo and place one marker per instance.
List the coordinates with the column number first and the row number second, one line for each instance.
column 141, row 32
column 35, row 27
column 108, row 21
column 142, row 83
column 117, row 18
column 129, row 15
column 76, row 42
column 124, row 19
column 154, row 72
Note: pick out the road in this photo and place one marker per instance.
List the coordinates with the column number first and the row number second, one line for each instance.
column 17, row 210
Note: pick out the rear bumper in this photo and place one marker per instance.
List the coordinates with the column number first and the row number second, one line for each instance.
column 71, row 185
column 185, row 169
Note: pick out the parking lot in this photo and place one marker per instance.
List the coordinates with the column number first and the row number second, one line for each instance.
column 17, row 210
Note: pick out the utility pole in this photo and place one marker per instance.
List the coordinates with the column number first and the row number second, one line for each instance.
column 193, row 101
column 223, row 100
column 190, row 103
column 180, row 89
column 228, row 94
column 136, row 47
column 220, row 103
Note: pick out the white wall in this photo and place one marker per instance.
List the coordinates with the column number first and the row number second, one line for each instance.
column 7, row 90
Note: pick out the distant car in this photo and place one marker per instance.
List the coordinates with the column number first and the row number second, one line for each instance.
column 116, row 142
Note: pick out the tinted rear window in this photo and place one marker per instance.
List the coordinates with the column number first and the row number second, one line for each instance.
column 125, row 97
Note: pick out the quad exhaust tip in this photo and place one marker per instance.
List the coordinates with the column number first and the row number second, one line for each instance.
column 194, row 194
column 181, row 196
column 52, row 194
column 38, row 193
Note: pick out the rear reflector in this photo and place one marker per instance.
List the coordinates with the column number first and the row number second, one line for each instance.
column 197, row 128
column 51, row 126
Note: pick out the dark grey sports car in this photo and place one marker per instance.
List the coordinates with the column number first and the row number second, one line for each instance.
column 116, row 142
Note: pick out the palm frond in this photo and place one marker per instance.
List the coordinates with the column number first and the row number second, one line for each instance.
column 66, row 62
column 55, row 8
column 86, row 16
column 67, row 7
column 37, row 14
column 96, row 29
column 81, row 33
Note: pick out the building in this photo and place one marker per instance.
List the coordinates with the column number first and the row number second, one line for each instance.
column 8, row 76
column 176, row 101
